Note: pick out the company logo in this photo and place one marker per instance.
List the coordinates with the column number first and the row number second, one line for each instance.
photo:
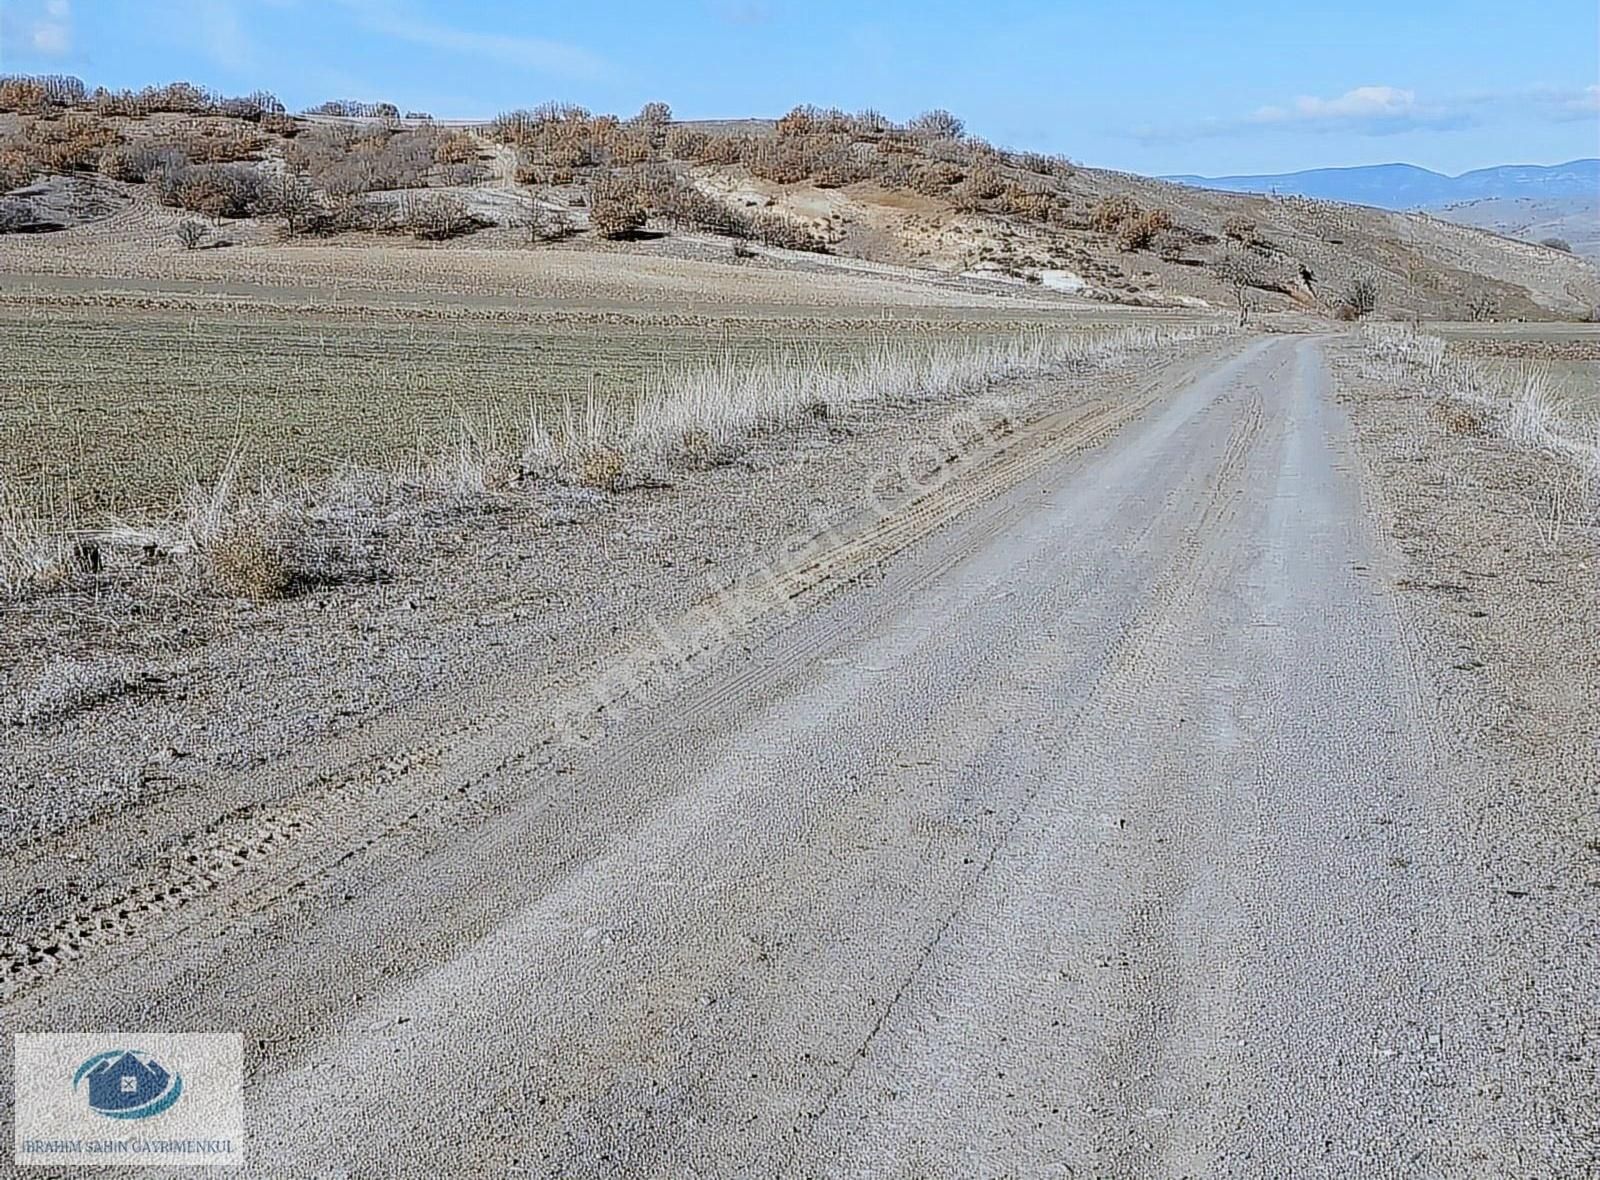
column 127, row 1084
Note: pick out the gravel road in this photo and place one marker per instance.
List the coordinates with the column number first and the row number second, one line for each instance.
column 1088, row 820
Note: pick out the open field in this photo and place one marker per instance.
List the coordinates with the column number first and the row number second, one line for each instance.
column 119, row 409
column 1567, row 356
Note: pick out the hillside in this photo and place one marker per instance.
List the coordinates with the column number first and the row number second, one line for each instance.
column 1574, row 220
column 150, row 182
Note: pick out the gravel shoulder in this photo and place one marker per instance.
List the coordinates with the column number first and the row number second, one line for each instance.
column 1499, row 583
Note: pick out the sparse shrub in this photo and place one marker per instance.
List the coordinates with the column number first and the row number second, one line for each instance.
column 774, row 229
column 23, row 94
column 936, row 179
column 1459, row 418
column 1109, row 213
column 16, row 169
column 1345, row 314
column 455, row 147
column 1482, row 305
column 437, row 217
column 981, row 185
column 937, row 124
column 1560, row 244
column 190, row 234
column 1239, row 229
column 217, row 191
column 284, row 126
column 72, row 144
column 1360, row 296
column 684, row 143
column 1139, row 231
column 617, row 207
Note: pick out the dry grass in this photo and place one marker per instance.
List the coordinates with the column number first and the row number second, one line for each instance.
column 245, row 561
column 258, row 543
column 1472, row 397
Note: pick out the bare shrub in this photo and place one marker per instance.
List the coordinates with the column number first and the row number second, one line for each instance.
column 617, row 206
column 1139, row 231
column 190, row 234
column 437, row 217
column 1239, row 228
column 290, row 198
column 1109, row 213
column 1244, row 273
column 1482, row 304
column 134, row 163
column 937, row 124
column 217, row 191
column 1360, row 296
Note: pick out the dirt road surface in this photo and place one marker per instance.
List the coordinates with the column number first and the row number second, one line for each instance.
column 1086, row 819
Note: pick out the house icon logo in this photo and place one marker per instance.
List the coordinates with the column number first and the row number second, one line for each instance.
column 127, row 1084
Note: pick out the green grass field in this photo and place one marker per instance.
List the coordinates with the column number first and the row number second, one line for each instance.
column 119, row 409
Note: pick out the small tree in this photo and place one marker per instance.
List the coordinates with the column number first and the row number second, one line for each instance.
column 290, row 197
column 1242, row 273
column 1360, row 295
column 532, row 221
column 1482, row 305
column 191, row 234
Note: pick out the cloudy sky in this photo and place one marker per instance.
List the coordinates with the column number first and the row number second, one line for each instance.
column 1151, row 87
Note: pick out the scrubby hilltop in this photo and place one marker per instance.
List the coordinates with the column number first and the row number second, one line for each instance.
column 840, row 187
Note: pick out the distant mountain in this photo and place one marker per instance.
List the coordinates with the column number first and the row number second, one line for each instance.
column 1405, row 186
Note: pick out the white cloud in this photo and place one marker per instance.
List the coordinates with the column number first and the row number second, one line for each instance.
column 531, row 53
column 48, row 32
column 1388, row 110
column 1364, row 103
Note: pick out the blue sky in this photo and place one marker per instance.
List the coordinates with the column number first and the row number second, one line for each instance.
column 1150, row 87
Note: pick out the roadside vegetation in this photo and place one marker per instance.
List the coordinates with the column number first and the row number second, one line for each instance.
column 1473, row 398
column 264, row 539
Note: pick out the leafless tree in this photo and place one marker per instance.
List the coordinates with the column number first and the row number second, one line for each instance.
column 191, row 234
column 1360, row 295
column 1244, row 273
column 1482, row 305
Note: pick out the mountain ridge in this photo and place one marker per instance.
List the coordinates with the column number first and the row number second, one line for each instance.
column 1407, row 186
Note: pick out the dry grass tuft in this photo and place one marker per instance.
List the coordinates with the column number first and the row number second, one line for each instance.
column 602, row 469
column 1460, row 419
column 244, row 562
